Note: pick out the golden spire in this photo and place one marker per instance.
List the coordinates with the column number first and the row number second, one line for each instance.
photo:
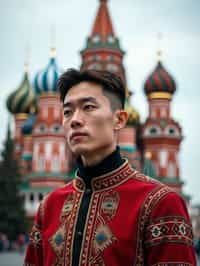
column 53, row 52
column 53, row 41
column 27, row 58
column 159, row 51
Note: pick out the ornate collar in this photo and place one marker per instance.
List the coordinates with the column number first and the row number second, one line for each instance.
column 109, row 180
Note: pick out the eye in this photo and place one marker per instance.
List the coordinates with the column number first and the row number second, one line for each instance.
column 89, row 107
column 67, row 112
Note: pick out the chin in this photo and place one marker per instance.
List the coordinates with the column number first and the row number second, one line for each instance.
column 79, row 150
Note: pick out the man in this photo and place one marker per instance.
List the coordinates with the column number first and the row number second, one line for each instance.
column 110, row 214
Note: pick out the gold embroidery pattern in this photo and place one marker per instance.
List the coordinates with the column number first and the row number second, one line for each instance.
column 98, row 262
column 57, row 240
column 106, row 181
column 173, row 229
column 90, row 222
column 36, row 235
column 141, row 177
column 67, row 207
column 109, row 204
column 103, row 238
column 98, row 235
column 61, row 241
column 150, row 202
column 79, row 183
column 71, row 229
column 112, row 180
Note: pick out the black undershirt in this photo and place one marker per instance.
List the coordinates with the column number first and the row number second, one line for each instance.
column 110, row 163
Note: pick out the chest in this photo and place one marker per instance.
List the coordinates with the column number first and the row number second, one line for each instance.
column 94, row 227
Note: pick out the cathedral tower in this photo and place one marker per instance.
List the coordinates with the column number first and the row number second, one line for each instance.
column 161, row 134
column 103, row 52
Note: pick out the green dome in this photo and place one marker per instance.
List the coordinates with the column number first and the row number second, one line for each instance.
column 23, row 100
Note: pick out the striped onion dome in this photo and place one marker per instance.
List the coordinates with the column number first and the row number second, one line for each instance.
column 160, row 81
column 46, row 80
column 23, row 100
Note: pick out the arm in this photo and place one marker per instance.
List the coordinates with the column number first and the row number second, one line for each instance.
column 168, row 234
column 34, row 253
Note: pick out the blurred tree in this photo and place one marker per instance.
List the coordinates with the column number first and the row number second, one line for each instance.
column 13, row 221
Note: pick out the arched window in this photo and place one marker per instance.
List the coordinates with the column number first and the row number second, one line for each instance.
column 163, row 158
column 95, row 66
column 40, row 163
column 40, row 196
column 96, row 38
column 41, row 128
column 172, row 169
column 31, row 197
column 96, row 57
column 112, row 67
column 55, row 164
column 110, row 38
column 172, row 131
column 56, row 128
column 152, row 131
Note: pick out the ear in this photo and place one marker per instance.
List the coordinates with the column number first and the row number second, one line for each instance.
column 120, row 120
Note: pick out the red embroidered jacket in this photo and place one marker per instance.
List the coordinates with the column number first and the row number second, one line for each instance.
column 131, row 220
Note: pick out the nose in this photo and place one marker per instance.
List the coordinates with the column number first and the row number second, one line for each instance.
column 77, row 119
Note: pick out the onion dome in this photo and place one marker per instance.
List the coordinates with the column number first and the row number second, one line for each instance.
column 160, row 81
column 23, row 100
column 133, row 115
column 27, row 127
column 46, row 80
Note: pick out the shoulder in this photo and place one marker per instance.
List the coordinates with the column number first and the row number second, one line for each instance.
column 62, row 190
column 57, row 195
column 171, row 204
column 140, row 177
column 146, row 185
column 158, row 197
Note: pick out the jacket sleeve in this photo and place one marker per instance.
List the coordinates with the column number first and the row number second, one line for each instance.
column 168, row 236
column 34, row 253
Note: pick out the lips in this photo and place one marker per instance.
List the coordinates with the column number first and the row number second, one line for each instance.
column 77, row 135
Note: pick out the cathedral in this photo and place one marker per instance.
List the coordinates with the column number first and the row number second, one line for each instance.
column 40, row 146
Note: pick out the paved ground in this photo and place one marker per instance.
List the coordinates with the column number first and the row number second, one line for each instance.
column 11, row 259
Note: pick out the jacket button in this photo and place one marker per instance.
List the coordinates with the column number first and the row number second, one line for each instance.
column 88, row 191
column 79, row 235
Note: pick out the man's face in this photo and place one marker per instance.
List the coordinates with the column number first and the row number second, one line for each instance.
column 89, row 122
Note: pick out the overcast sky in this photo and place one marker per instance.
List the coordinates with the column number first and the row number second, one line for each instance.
column 28, row 23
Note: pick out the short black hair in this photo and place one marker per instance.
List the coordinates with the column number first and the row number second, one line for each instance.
column 111, row 83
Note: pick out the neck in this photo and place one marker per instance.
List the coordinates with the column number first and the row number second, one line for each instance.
column 108, row 164
column 91, row 159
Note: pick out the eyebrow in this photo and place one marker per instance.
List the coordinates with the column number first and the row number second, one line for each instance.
column 80, row 101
